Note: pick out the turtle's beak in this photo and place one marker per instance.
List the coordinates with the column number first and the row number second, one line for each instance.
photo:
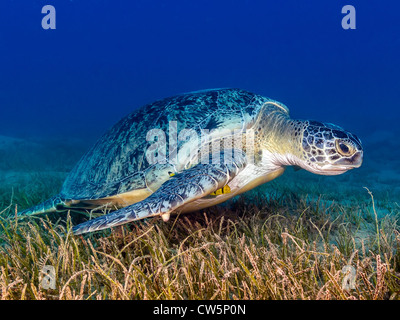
column 354, row 162
column 341, row 166
column 357, row 159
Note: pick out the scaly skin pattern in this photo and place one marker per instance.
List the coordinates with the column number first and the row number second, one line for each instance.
column 184, row 187
column 48, row 206
column 321, row 148
column 329, row 144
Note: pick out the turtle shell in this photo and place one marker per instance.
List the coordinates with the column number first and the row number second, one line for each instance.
column 117, row 162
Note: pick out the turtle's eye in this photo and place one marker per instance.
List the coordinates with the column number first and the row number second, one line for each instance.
column 344, row 148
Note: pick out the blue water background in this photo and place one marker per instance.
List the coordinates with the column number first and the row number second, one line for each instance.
column 107, row 58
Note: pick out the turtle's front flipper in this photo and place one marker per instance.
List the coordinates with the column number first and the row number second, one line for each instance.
column 180, row 189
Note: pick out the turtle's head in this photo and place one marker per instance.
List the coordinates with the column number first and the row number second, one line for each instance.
column 328, row 149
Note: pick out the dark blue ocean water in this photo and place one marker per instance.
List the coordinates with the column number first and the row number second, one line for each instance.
column 108, row 57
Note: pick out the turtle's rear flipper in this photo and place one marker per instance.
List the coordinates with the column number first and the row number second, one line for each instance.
column 180, row 189
column 52, row 205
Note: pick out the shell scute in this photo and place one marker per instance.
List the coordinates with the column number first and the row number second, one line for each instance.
column 117, row 161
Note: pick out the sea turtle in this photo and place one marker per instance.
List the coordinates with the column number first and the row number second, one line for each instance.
column 128, row 169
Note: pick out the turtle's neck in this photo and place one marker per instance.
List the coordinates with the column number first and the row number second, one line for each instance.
column 280, row 137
